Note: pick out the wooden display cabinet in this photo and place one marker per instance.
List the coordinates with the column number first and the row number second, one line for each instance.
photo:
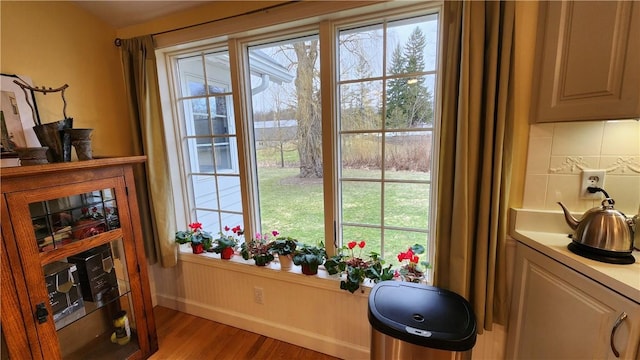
column 72, row 261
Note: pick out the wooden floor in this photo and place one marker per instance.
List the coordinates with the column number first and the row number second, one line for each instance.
column 184, row 336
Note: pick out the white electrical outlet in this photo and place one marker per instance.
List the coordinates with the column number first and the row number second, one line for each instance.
column 592, row 178
column 258, row 295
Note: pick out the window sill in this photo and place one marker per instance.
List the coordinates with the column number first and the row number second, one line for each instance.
column 272, row 271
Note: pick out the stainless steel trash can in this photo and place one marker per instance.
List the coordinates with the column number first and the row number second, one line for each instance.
column 414, row 321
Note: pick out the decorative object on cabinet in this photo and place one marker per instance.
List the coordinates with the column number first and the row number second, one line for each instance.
column 47, row 205
column 81, row 141
column 51, row 135
column 586, row 61
column 32, row 155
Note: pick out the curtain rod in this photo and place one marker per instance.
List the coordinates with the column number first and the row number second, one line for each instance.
column 118, row 41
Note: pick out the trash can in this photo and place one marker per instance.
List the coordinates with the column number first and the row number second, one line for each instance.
column 414, row 321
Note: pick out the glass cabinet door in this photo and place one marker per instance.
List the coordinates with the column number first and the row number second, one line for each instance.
column 82, row 249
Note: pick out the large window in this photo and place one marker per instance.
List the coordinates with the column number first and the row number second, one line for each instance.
column 368, row 178
column 385, row 132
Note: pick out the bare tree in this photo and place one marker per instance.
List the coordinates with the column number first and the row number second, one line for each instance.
column 309, row 132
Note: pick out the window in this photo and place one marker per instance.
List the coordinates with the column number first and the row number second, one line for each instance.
column 385, row 132
column 209, row 145
column 368, row 178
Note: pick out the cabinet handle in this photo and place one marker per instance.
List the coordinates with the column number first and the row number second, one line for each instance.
column 41, row 313
column 613, row 332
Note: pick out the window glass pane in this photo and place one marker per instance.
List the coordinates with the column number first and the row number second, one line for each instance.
column 396, row 241
column 201, row 158
column 361, row 202
column 410, row 102
column 285, row 97
column 229, row 191
column 192, row 76
column 218, row 74
column 412, row 45
column 205, row 191
column 371, row 236
column 361, row 105
column 360, row 55
column 408, row 155
column 361, row 156
column 406, row 205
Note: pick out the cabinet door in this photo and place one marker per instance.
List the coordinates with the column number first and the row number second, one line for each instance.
column 587, row 61
column 79, row 259
column 557, row 313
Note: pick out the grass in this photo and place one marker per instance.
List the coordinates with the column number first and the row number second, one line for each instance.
column 295, row 207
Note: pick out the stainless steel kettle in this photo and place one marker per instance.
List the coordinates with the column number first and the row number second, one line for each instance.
column 603, row 228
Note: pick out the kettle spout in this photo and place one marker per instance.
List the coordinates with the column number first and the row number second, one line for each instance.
column 573, row 222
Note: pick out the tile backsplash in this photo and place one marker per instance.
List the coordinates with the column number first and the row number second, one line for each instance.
column 558, row 152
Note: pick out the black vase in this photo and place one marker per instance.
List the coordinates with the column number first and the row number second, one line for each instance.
column 53, row 136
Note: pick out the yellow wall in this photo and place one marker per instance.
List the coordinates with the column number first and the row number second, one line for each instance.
column 56, row 43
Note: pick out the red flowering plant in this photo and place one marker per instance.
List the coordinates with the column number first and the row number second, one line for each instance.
column 355, row 269
column 259, row 248
column 227, row 243
column 196, row 236
column 410, row 261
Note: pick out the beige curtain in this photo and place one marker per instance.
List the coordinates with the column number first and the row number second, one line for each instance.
column 155, row 197
column 475, row 159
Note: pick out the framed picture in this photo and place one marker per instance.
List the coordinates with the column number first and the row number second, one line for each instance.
column 16, row 116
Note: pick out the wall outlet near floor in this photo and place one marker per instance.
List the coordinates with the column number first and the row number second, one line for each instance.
column 592, row 178
column 258, row 295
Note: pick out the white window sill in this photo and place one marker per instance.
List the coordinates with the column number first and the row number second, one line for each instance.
column 322, row 280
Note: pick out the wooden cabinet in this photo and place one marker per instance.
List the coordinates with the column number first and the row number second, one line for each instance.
column 557, row 313
column 587, row 61
column 73, row 262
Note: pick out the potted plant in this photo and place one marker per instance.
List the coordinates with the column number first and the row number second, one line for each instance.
column 227, row 243
column 199, row 239
column 258, row 249
column 309, row 257
column 354, row 269
column 410, row 271
column 284, row 247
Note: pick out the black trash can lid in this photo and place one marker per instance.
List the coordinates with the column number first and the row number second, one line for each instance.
column 422, row 315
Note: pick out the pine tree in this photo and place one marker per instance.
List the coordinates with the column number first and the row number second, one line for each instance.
column 408, row 99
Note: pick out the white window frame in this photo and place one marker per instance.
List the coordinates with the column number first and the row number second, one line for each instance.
column 242, row 32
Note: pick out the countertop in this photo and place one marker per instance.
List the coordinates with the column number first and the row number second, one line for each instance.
column 547, row 232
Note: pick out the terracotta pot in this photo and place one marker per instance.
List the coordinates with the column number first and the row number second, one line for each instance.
column 226, row 253
column 197, row 248
column 309, row 269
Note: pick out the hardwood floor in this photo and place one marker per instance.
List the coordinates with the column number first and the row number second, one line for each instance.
column 184, row 336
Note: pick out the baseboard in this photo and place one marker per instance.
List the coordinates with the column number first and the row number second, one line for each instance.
column 279, row 331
